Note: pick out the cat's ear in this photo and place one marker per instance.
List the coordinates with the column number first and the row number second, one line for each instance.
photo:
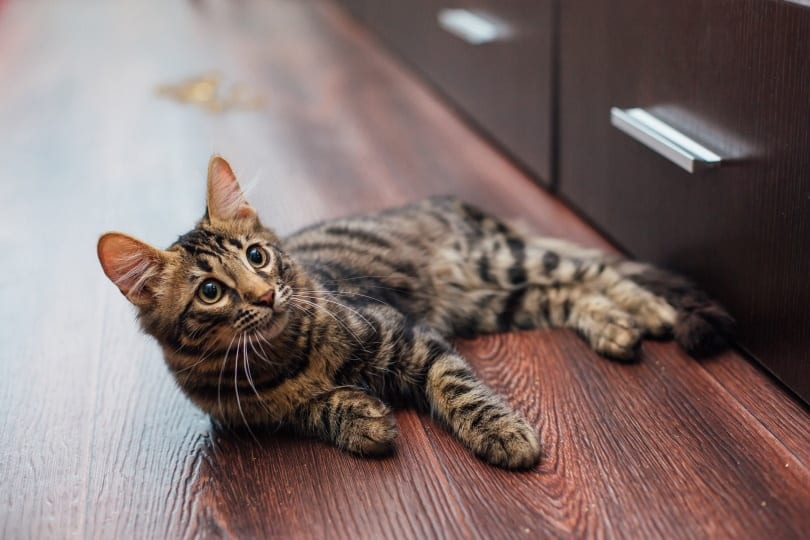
column 135, row 267
column 225, row 201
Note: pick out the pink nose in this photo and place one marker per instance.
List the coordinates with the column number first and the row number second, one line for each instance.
column 267, row 298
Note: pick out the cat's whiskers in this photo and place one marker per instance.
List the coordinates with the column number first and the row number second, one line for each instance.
column 296, row 298
column 346, row 293
column 192, row 366
column 221, row 372
column 369, row 276
column 262, row 338
column 205, row 355
column 314, row 298
column 263, row 357
column 180, row 346
column 343, row 306
column 302, row 309
column 329, row 312
column 192, row 337
column 246, row 366
column 240, row 344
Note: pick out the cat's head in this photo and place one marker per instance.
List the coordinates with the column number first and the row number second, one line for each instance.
column 227, row 277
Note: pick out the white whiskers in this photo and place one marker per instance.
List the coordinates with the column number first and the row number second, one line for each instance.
column 241, row 345
column 295, row 298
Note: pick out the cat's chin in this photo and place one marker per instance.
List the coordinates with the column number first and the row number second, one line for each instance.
column 276, row 325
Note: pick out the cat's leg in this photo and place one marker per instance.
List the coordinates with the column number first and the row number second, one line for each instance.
column 651, row 313
column 702, row 326
column 606, row 326
column 497, row 256
column 506, row 281
column 570, row 266
column 591, row 309
column 495, row 263
column 609, row 330
column 475, row 414
column 350, row 419
column 417, row 364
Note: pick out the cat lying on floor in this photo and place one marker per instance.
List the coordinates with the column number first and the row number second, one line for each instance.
column 318, row 330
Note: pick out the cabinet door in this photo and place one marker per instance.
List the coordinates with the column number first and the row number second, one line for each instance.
column 733, row 75
column 503, row 85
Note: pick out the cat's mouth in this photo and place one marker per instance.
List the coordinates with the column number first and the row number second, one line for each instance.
column 263, row 325
column 280, row 315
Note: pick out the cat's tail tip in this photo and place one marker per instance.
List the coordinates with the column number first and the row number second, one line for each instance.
column 703, row 327
column 703, row 330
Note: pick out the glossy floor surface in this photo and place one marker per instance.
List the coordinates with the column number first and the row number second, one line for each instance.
column 97, row 442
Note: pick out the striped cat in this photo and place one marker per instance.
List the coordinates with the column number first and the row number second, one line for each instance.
column 319, row 330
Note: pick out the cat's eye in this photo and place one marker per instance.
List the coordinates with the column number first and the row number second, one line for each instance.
column 256, row 256
column 210, row 291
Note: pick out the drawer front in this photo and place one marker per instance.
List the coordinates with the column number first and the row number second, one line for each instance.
column 503, row 85
column 735, row 77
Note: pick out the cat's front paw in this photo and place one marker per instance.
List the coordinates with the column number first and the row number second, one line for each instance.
column 368, row 428
column 507, row 442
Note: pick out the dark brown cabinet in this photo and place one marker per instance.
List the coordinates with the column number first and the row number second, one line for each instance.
column 730, row 75
column 733, row 76
column 503, row 83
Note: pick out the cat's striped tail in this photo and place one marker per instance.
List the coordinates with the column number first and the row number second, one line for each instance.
column 703, row 326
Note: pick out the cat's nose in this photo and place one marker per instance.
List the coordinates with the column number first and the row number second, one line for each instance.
column 267, row 298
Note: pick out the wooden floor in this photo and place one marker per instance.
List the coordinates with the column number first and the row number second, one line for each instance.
column 96, row 441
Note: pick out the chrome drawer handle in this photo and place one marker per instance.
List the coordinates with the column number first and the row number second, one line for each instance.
column 474, row 27
column 665, row 140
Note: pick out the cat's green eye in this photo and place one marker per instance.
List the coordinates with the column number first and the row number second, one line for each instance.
column 210, row 291
column 256, row 256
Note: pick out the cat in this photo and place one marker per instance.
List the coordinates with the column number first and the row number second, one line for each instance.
column 318, row 331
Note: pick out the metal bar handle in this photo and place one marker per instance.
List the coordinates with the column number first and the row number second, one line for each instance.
column 664, row 139
column 473, row 26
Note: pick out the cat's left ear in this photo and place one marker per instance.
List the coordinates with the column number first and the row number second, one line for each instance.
column 225, row 201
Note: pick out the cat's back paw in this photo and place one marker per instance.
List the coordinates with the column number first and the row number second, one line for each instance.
column 619, row 337
column 656, row 317
column 611, row 331
column 651, row 313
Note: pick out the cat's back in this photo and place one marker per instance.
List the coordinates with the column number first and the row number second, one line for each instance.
column 385, row 254
column 392, row 236
column 420, row 221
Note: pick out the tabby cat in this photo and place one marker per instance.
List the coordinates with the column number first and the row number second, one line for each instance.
column 317, row 331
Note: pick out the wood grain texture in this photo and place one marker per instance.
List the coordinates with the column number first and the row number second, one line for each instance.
column 96, row 440
column 776, row 415
column 607, row 451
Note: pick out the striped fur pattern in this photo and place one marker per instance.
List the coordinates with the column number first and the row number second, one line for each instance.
column 320, row 330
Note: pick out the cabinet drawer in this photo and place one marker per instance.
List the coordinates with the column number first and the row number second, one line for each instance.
column 732, row 75
column 503, row 85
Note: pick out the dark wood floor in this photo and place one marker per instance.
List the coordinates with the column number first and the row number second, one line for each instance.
column 96, row 441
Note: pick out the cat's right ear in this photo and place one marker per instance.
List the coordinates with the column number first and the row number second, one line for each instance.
column 225, row 200
column 135, row 267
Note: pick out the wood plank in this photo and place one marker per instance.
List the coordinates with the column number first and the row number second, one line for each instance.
column 278, row 486
column 779, row 412
column 650, row 450
column 97, row 441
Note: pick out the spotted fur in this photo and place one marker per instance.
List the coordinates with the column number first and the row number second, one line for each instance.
column 348, row 315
